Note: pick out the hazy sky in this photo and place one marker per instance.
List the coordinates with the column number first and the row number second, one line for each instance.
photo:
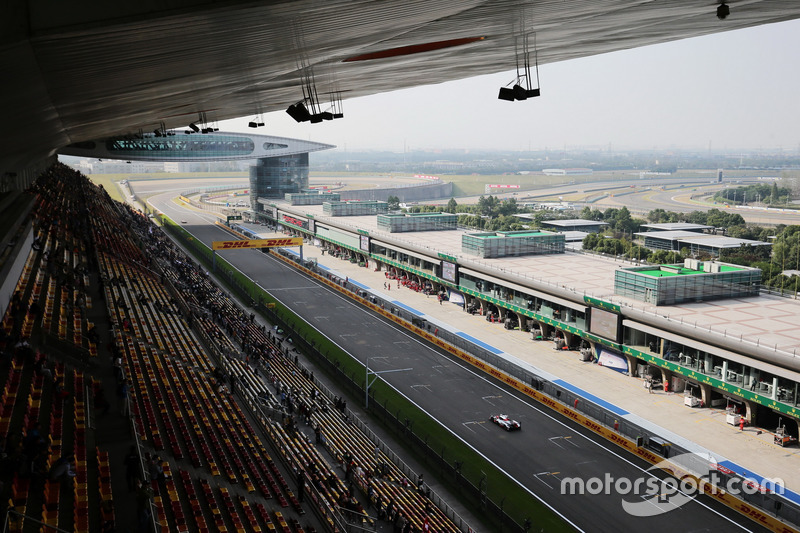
column 735, row 90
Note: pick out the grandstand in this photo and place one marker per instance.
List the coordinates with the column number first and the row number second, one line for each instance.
column 218, row 425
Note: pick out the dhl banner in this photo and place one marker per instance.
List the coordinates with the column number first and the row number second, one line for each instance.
column 256, row 243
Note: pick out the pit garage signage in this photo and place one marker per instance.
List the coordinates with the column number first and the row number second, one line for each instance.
column 256, row 243
column 299, row 222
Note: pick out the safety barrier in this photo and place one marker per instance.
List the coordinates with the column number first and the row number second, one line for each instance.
column 624, row 433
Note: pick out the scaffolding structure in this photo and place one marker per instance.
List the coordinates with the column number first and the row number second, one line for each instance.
column 312, row 197
column 693, row 281
column 417, row 222
column 354, row 208
column 512, row 243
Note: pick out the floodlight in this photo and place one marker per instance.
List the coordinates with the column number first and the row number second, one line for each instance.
column 299, row 112
column 506, row 94
column 723, row 11
column 519, row 92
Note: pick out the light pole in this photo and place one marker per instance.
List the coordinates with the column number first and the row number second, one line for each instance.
column 368, row 383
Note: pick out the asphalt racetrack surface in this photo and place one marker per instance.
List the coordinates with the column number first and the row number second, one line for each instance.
column 546, row 450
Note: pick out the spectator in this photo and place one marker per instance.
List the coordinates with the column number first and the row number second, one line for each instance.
column 62, row 468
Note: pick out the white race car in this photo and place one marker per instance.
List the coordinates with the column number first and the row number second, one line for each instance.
column 506, row 423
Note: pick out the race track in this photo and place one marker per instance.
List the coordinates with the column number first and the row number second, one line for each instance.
column 546, row 450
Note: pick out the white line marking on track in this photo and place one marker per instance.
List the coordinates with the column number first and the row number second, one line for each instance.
column 543, row 481
column 353, row 306
column 481, row 424
column 488, row 398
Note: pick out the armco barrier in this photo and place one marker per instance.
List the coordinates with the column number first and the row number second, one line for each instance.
column 570, row 405
column 445, row 463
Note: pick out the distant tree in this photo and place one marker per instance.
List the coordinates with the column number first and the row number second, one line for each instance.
column 590, row 241
column 596, row 214
column 452, row 206
column 665, row 257
column 638, row 252
column 507, row 207
column 609, row 215
column 657, row 216
column 721, row 219
column 394, row 202
column 483, row 206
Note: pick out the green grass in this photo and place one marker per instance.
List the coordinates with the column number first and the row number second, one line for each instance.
column 516, row 502
column 474, row 185
column 108, row 181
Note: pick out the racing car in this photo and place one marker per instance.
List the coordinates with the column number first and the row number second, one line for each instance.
column 506, row 423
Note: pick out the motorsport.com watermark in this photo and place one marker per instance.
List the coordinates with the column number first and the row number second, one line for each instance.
column 649, row 495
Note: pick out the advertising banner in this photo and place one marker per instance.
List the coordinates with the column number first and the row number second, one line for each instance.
column 256, row 243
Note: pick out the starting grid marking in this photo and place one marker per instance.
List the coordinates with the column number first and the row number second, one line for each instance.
column 481, row 424
column 567, row 439
column 550, row 476
column 488, row 399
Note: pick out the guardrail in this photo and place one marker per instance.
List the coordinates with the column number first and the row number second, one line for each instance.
column 769, row 509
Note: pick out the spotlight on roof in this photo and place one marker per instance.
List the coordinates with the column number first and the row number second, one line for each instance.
column 338, row 115
column 299, row 112
column 188, row 132
column 723, row 11
column 157, row 132
column 194, row 127
column 533, row 93
column 506, row 94
column 326, row 115
column 257, row 122
column 519, row 92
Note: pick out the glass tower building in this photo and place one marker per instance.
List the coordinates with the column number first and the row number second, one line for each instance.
column 281, row 163
column 274, row 177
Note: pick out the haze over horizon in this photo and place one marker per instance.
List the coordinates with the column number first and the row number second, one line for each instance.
column 729, row 91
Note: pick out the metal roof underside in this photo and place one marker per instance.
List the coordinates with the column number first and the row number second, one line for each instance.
column 81, row 70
